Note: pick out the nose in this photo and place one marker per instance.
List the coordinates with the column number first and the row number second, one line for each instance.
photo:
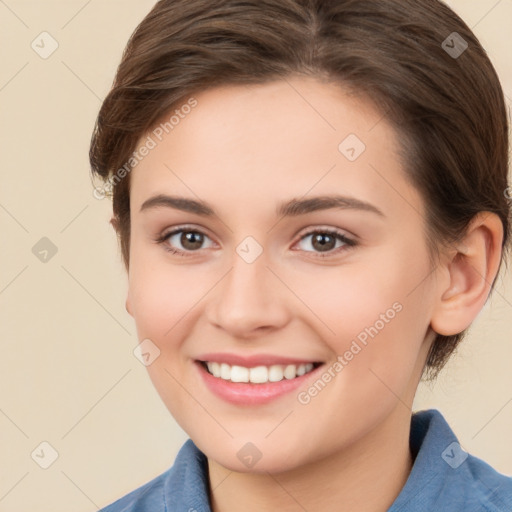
column 249, row 300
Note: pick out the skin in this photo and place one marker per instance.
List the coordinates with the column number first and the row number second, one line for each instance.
column 244, row 150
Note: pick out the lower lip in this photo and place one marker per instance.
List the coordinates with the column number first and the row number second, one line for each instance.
column 241, row 393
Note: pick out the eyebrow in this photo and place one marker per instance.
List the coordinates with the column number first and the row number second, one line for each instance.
column 291, row 208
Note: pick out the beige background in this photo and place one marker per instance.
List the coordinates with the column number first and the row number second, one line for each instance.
column 67, row 371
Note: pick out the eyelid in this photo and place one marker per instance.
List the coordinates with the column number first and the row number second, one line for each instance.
column 164, row 236
column 349, row 241
column 325, row 229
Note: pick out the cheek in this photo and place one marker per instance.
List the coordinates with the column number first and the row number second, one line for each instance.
column 374, row 314
column 166, row 302
column 163, row 295
column 350, row 299
column 379, row 329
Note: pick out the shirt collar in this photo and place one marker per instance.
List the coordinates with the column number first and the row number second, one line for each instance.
column 437, row 476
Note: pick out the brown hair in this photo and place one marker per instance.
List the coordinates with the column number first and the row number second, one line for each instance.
column 448, row 109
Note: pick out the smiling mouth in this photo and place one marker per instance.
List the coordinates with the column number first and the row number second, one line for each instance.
column 258, row 374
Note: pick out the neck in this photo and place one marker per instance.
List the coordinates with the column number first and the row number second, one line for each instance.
column 368, row 476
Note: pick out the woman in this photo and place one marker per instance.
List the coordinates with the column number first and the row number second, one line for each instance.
column 311, row 202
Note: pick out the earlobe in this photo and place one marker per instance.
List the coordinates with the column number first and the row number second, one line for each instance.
column 472, row 268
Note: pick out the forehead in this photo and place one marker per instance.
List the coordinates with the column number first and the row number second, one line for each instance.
column 249, row 144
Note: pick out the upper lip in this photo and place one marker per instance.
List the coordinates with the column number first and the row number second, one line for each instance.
column 252, row 360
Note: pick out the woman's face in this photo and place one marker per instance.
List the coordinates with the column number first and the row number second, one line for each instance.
column 264, row 270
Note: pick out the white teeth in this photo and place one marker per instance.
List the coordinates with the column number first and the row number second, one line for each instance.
column 290, row 371
column 301, row 370
column 214, row 368
column 275, row 373
column 258, row 374
column 239, row 374
column 225, row 371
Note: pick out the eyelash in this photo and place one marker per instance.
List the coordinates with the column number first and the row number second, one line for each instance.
column 349, row 243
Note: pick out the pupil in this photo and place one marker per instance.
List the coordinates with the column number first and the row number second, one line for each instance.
column 191, row 240
column 321, row 240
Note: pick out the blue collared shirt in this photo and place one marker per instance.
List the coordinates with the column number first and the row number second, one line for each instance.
column 443, row 478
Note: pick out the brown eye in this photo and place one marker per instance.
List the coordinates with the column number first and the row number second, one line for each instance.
column 191, row 240
column 325, row 241
column 183, row 241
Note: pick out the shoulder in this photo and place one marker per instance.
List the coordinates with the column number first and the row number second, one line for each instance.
column 485, row 486
column 185, row 482
column 446, row 477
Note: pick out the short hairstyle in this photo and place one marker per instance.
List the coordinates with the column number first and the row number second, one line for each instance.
column 408, row 57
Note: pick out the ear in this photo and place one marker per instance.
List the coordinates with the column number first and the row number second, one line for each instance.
column 470, row 269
